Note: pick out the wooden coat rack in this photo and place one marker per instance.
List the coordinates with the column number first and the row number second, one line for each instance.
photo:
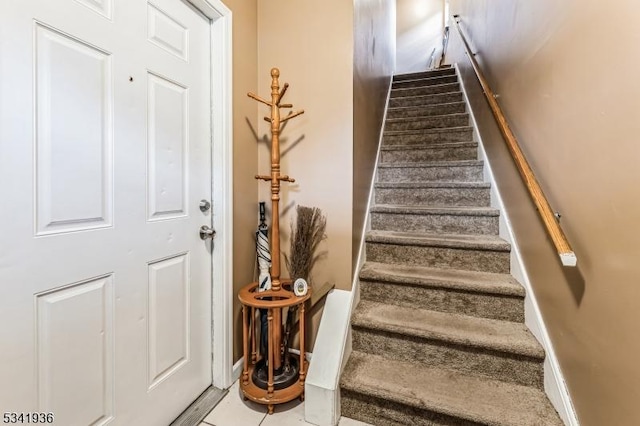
column 280, row 296
column 275, row 177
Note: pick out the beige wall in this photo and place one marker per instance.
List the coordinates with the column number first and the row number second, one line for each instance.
column 567, row 75
column 374, row 62
column 419, row 26
column 311, row 42
column 245, row 152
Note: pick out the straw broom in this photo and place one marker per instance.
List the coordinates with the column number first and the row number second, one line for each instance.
column 306, row 235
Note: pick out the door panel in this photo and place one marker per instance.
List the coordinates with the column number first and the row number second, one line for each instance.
column 74, row 115
column 168, row 317
column 167, row 33
column 67, row 371
column 168, row 148
column 105, row 154
column 103, row 7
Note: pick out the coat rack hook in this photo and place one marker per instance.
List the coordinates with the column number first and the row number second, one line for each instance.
column 284, row 90
column 259, row 99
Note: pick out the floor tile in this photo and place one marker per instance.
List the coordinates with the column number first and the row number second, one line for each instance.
column 234, row 411
column 288, row 414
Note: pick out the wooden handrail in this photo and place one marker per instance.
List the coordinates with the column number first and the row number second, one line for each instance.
column 567, row 256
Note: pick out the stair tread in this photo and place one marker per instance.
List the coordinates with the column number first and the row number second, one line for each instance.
column 401, row 89
column 472, row 281
column 427, row 131
column 459, row 241
column 431, row 95
column 425, row 100
column 426, row 117
column 423, row 210
column 430, row 164
column 412, row 185
column 430, row 106
column 429, row 145
column 448, row 392
column 424, row 81
column 433, row 72
column 496, row 335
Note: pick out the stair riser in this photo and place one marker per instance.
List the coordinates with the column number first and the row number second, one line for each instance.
column 472, row 173
column 382, row 412
column 425, row 90
column 502, row 366
column 420, row 155
column 448, row 135
column 442, row 98
column 422, row 82
column 427, row 110
column 449, row 197
column 428, row 123
column 500, row 307
column 439, row 257
column 435, row 223
column 424, row 74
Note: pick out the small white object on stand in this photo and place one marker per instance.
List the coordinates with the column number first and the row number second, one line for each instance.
column 300, row 287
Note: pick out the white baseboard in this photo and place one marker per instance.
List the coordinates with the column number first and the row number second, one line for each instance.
column 237, row 370
column 237, row 367
column 554, row 383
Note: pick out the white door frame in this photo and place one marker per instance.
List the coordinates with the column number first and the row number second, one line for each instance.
column 222, row 184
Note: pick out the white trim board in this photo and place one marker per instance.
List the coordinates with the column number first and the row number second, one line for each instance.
column 222, row 188
column 554, row 383
column 237, row 369
column 333, row 341
column 367, row 223
column 322, row 393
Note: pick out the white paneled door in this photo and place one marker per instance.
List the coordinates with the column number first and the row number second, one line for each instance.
column 105, row 156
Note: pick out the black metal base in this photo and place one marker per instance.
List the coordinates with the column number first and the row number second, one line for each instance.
column 282, row 378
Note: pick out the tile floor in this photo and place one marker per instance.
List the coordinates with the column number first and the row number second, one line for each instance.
column 233, row 411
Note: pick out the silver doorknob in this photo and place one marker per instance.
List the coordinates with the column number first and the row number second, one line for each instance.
column 204, row 205
column 206, row 232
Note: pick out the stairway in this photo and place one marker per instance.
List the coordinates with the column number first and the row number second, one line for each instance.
column 439, row 335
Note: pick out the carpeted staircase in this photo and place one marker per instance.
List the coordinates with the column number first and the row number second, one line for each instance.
column 439, row 335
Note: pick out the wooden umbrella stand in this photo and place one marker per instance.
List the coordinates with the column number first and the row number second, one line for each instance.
column 275, row 365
